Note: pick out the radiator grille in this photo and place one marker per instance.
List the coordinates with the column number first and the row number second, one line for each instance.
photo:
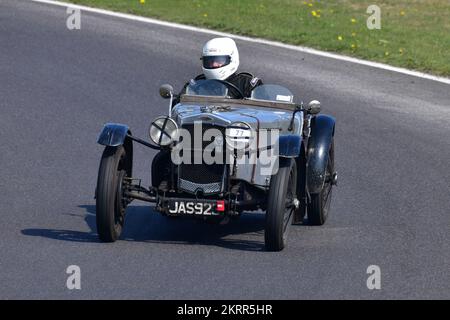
column 207, row 178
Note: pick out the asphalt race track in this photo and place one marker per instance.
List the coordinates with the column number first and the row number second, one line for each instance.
column 58, row 87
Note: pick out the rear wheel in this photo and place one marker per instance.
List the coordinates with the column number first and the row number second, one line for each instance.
column 280, row 205
column 319, row 207
column 110, row 203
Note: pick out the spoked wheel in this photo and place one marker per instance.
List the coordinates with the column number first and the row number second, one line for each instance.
column 110, row 201
column 280, row 205
column 319, row 207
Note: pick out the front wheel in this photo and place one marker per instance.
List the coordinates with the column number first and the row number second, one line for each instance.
column 280, row 205
column 110, row 204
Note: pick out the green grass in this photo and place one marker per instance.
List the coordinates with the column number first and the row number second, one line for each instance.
column 414, row 34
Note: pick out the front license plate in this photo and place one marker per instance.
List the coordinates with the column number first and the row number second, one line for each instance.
column 192, row 208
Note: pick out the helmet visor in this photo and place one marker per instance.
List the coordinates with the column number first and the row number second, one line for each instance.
column 214, row 62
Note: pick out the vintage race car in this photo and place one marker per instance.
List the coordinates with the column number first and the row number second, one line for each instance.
column 221, row 155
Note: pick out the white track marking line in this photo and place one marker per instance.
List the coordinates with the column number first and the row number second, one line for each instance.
column 248, row 39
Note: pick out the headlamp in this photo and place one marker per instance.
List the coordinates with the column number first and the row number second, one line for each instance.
column 163, row 131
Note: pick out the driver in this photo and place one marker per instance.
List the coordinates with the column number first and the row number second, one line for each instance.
column 220, row 59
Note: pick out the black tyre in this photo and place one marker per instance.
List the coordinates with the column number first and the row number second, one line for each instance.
column 319, row 207
column 280, row 208
column 110, row 205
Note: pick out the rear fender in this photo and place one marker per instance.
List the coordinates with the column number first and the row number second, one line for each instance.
column 322, row 132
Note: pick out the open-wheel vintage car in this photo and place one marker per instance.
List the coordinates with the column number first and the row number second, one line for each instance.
column 221, row 155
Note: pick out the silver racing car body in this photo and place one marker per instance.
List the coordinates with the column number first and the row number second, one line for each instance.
column 221, row 155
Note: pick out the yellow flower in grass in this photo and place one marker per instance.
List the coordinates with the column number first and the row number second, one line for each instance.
column 310, row 4
column 353, row 34
column 315, row 14
column 353, row 20
column 402, row 13
column 386, row 53
column 205, row 15
column 340, row 38
column 353, row 46
column 142, row 1
column 400, row 51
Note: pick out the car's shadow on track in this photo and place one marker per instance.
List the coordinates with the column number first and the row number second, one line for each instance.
column 144, row 225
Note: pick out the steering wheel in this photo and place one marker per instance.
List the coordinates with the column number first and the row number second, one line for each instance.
column 232, row 86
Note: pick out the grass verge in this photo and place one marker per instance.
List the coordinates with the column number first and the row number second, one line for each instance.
column 414, row 34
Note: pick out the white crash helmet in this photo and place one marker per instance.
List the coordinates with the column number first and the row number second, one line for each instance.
column 220, row 58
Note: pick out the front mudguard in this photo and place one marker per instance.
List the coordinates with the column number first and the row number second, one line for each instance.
column 114, row 135
column 322, row 132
